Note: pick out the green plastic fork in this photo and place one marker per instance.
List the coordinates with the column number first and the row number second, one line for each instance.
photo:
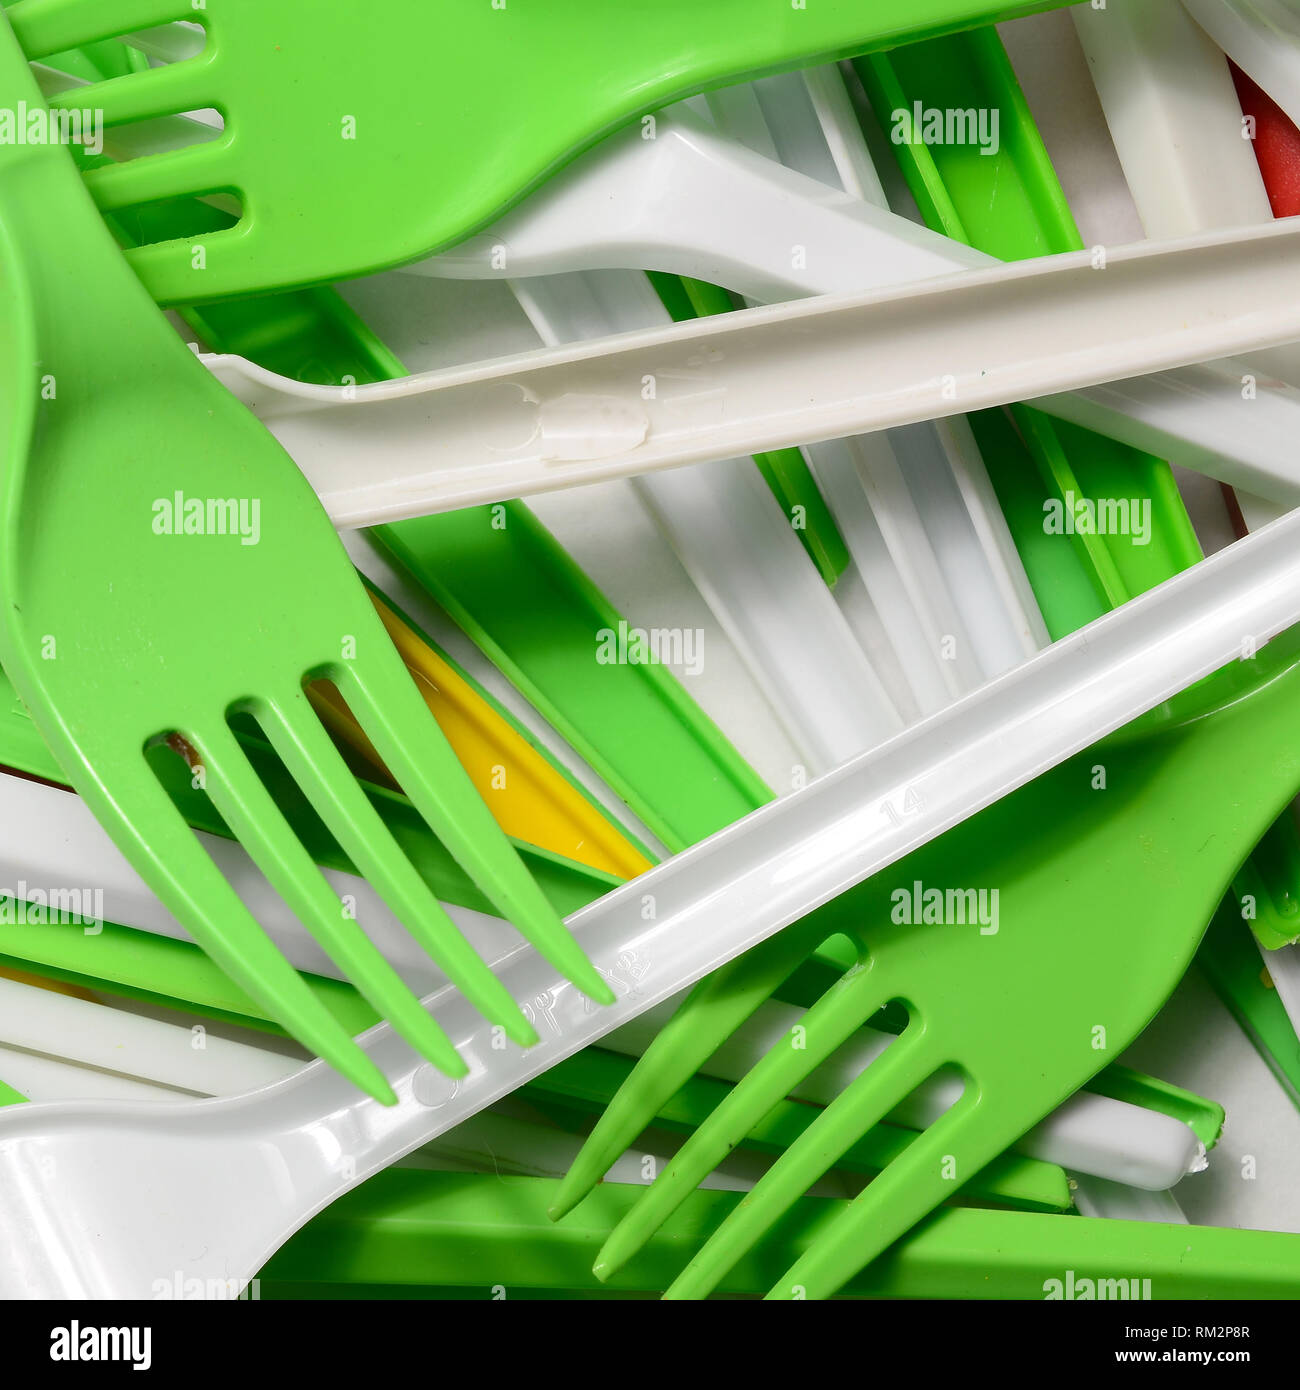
column 410, row 126
column 1107, row 871
column 114, row 426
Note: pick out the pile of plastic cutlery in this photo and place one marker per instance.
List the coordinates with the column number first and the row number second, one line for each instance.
column 650, row 650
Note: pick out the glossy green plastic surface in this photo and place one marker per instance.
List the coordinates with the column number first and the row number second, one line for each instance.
column 1095, row 883
column 1203, row 1117
column 1267, row 889
column 502, row 578
column 566, row 885
column 1231, row 962
column 452, row 111
column 487, row 1236
column 313, row 335
column 153, row 633
column 585, row 1083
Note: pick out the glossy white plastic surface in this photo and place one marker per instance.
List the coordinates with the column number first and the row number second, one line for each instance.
column 732, row 538
column 1119, row 1202
column 116, row 1040
column 771, row 232
column 80, row 1183
column 1262, row 37
column 1259, row 458
column 779, row 375
column 53, row 1047
column 1174, row 115
column 693, row 202
column 56, row 1047
column 49, row 839
column 946, row 629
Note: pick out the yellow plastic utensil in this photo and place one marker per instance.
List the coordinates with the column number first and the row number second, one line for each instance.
column 528, row 798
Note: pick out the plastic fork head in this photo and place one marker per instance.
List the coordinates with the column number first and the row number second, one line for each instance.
column 1005, row 942
column 473, row 101
column 209, row 581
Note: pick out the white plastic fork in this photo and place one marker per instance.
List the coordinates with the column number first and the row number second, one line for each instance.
column 79, row 1184
column 45, row 832
column 53, row 1047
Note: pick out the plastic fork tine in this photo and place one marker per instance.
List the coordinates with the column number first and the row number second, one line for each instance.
column 295, row 578
column 726, row 999
column 328, row 783
column 831, row 1020
column 167, row 266
column 51, row 26
column 396, row 720
column 907, row 1062
column 194, row 890
column 171, row 174
column 246, row 806
column 140, row 96
column 911, row 1187
column 172, row 43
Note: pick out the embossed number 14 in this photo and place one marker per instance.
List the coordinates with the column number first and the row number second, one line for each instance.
column 913, row 802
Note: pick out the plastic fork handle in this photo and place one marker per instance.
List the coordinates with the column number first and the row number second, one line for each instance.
column 309, row 1138
column 48, row 837
column 1246, row 426
column 694, row 202
column 739, row 217
column 118, row 1040
column 723, row 212
column 780, row 375
column 1099, row 1197
column 1169, row 102
column 737, row 545
column 1157, row 74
